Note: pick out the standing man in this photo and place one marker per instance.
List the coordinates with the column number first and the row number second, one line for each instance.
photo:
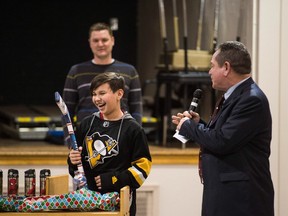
column 76, row 92
column 235, row 144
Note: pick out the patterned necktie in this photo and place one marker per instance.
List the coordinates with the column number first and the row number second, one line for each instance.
column 217, row 109
column 213, row 117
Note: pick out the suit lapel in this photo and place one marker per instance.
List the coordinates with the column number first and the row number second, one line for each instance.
column 235, row 94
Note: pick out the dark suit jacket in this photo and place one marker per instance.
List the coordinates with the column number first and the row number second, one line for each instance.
column 235, row 159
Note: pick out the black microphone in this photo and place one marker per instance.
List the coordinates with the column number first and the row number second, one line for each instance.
column 193, row 106
column 196, row 98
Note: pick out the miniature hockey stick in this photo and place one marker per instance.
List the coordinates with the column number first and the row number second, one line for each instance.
column 79, row 177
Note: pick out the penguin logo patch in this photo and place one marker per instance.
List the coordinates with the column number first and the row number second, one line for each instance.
column 100, row 147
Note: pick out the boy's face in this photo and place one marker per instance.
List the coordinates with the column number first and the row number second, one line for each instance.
column 107, row 101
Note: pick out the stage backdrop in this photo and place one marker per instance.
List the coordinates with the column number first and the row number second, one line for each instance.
column 41, row 40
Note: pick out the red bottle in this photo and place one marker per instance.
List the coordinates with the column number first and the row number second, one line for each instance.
column 30, row 179
column 13, row 180
column 44, row 173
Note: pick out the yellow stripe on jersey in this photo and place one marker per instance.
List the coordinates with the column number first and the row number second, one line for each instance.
column 145, row 165
column 137, row 175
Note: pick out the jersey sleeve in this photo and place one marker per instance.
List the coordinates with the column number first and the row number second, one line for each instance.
column 137, row 173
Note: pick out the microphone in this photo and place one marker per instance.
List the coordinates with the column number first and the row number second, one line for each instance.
column 193, row 106
column 196, row 98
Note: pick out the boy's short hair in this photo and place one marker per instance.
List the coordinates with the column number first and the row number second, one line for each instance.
column 115, row 81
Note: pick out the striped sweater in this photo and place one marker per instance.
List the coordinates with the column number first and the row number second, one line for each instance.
column 76, row 91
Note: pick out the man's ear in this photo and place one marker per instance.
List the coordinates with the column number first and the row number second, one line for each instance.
column 227, row 68
column 113, row 40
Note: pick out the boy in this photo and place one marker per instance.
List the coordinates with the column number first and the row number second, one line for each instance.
column 112, row 146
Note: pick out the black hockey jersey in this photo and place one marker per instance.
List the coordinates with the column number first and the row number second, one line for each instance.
column 116, row 150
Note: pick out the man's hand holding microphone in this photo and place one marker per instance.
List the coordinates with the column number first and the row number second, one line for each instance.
column 190, row 114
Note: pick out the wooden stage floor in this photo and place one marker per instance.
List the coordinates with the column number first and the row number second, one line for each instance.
column 19, row 152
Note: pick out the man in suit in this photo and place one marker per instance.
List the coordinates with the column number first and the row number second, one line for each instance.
column 235, row 144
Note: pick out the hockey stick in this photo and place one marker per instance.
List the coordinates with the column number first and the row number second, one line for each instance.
column 175, row 22
column 164, row 33
column 216, row 24
column 79, row 177
column 185, row 36
column 200, row 25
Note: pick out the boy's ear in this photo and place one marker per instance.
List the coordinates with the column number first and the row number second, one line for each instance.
column 120, row 93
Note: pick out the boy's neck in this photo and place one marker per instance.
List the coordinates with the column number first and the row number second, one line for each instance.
column 113, row 117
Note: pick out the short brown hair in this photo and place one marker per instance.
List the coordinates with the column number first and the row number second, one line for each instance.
column 236, row 54
column 99, row 27
column 115, row 81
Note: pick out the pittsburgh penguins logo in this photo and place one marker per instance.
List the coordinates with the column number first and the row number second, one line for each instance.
column 100, row 147
column 106, row 124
